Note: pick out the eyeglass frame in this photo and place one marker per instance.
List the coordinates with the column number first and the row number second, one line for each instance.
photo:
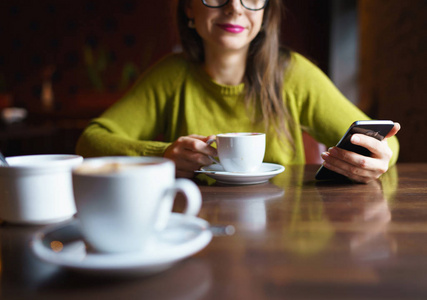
column 241, row 2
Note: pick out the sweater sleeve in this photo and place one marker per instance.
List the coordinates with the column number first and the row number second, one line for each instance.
column 323, row 110
column 133, row 125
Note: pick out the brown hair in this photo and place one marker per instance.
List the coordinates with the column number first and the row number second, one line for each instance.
column 265, row 66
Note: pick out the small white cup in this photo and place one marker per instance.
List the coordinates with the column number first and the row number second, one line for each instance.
column 240, row 151
column 123, row 202
column 37, row 189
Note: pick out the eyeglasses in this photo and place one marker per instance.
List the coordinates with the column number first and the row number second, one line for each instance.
column 248, row 4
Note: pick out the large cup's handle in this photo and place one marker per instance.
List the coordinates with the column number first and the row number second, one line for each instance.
column 192, row 194
column 193, row 197
column 209, row 142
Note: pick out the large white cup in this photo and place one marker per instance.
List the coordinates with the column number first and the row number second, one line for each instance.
column 240, row 151
column 37, row 189
column 123, row 202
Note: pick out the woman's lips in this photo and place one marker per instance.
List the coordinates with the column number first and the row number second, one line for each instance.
column 231, row 28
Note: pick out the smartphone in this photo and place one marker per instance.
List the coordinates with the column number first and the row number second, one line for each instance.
column 374, row 128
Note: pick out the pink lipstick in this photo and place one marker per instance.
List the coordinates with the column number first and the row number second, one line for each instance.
column 231, row 28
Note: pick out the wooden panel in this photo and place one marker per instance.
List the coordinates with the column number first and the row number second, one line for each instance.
column 393, row 73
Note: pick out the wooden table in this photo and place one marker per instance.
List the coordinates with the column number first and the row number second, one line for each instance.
column 295, row 239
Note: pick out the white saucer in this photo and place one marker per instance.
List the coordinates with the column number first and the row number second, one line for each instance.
column 64, row 246
column 265, row 172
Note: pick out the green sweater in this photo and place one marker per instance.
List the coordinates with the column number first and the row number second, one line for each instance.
column 177, row 98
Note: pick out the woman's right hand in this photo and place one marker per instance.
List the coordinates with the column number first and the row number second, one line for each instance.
column 190, row 153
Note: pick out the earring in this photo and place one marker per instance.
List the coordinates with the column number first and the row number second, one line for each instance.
column 191, row 23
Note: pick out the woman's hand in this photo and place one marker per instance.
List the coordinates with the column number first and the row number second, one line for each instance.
column 358, row 167
column 190, row 153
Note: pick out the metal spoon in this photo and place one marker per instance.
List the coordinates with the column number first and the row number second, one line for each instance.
column 217, row 230
column 222, row 230
column 3, row 160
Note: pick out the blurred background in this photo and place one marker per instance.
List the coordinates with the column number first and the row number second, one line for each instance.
column 63, row 62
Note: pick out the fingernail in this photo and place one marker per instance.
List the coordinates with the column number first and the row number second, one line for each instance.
column 332, row 150
column 355, row 139
column 324, row 154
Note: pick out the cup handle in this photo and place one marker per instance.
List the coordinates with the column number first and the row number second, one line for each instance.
column 192, row 194
column 193, row 197
column 209, row 142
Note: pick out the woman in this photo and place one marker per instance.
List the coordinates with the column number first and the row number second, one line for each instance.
column 233, row 77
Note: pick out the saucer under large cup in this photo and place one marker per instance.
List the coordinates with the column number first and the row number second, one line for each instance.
column 263, row 174
column 64, row 246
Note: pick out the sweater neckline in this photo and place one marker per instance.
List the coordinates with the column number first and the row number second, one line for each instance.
column 223, row 89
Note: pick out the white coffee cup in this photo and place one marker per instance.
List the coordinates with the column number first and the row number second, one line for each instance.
column 123, row 202
column 37, row 189
column 240, row 151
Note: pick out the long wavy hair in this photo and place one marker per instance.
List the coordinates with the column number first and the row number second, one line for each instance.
column 265, row 67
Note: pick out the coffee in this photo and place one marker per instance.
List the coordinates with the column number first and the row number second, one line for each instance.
column 113, row 167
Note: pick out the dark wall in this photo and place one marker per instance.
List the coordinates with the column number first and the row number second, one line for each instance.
column 39, row 34
column 306, row 29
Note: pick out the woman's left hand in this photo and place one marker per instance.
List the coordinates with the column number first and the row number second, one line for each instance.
column 358, row 167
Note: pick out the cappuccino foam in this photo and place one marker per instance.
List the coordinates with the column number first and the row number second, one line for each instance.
column 109, row 168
